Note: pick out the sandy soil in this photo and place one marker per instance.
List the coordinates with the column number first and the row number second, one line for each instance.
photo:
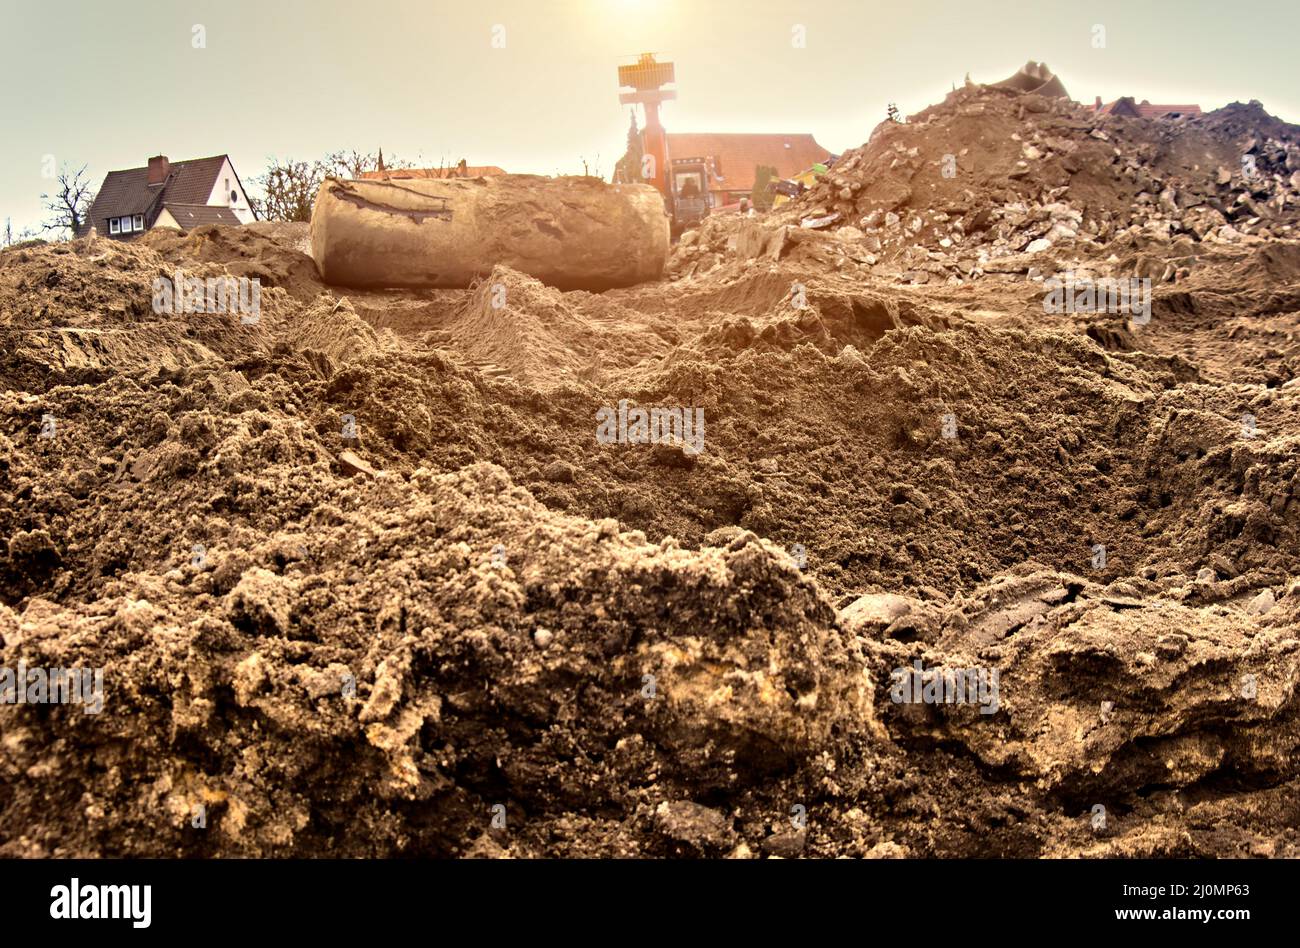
column 472, row 629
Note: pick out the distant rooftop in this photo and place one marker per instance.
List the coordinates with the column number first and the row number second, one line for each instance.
column 736, row 156
column 1144, row 109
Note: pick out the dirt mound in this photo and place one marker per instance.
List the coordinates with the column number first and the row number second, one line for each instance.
column 516, row 322
column 438, row 687
column 362, row 579
column 333, row 329
column 294, row 234
column 274, row 254
column 85, row 310
column 1000, row 180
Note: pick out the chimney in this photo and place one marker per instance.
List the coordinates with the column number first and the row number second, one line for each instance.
column 1097, row 106
column 159, row 168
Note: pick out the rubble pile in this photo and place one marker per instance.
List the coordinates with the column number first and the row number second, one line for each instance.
column 995, row 181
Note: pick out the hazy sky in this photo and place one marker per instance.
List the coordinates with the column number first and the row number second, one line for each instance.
column 110, row 82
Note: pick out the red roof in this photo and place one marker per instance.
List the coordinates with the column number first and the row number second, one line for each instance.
column 737, row 155
column 1145, row 109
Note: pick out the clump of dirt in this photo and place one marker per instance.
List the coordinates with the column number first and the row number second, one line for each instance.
column 434, row 683
column 362, row 579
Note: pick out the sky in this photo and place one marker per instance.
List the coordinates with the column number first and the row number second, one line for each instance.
column 531, row 85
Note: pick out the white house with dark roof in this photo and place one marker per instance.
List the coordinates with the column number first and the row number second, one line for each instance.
column 180, row 195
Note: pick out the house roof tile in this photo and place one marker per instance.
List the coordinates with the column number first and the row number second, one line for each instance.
column 1146, row 110
column 190, row 216
column 738, row 155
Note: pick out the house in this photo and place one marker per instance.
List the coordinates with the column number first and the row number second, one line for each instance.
column 732, row 159
column 179, row 195
column 1127, row 107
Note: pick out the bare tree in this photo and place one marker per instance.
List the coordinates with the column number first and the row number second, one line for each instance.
column 352, row 163
column 70, row 203
column 289, row 188
column 287, row 191
column 25, row 237
column 348, row 164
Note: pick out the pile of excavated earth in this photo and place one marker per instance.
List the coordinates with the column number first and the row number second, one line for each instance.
column 997, row 182
column 363, row 581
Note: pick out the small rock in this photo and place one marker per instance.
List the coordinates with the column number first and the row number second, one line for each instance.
column 700, row 827
column 1172, row 645
column 875, row 612
column 674, row 455
column 561, row 472
column 848, row 356
column 1222, row 565
column 354, row 465
column 787, row 845
column 886, row 850
column 1261, row 604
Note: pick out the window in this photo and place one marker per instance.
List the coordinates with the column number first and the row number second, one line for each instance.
column 234, row 197
column 125, row 225
column 689, row 183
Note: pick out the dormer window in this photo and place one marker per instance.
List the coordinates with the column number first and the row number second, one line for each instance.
column 125, row 225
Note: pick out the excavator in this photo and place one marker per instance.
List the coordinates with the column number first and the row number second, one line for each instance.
column 683, row 182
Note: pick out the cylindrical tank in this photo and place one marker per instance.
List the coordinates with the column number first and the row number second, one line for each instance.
column 574, row 233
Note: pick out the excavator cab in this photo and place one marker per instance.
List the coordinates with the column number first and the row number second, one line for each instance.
column 690, row 193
